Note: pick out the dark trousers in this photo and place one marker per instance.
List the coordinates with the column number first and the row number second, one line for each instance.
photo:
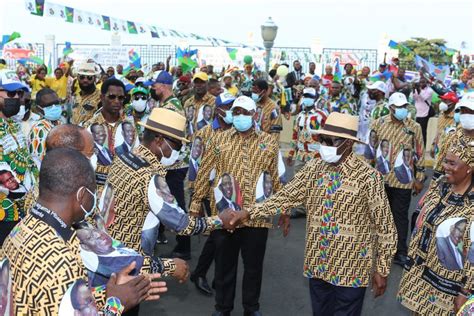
column 423, row 121
column 175, row 181
column 399, row 200
column 252, row 243
column 208, row 251
column 5, row 229
column 132, row 312
column 332, row 300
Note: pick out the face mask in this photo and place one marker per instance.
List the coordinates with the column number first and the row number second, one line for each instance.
column 307, row 102
column 94, row 197
column 171, row 159
column 154, row 95
column 443, row 107
column 242, row 123
column 401, row 114
column 53, row 112
column 256, row 97
column 20, row 115
column 93, row 161
column 456, row 117
column 467, row 121
column 329, row 153
column 139, row 105
column 228, row 118
column 11, row 106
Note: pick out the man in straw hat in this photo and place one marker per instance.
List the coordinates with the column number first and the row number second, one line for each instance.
column 137, row 176
column 87, row 101
column 346, row 208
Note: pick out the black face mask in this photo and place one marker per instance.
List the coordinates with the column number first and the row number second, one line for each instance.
column 11, row 106
column 154, row 95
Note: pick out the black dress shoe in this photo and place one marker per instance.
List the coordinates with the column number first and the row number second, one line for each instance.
column 400, row 260
column 256, row 313
column 201, row 285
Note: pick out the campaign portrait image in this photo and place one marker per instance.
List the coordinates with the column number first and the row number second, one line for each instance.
column 228, row 194
column 449, row 243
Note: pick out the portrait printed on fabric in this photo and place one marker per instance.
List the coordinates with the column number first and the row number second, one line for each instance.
column 204, row 117
column 102, row 255
column 126, row 138
column 371, row 147
column 107, row 206
column 227, row 194
column 163, row 208
column 6, row 295
column 189, row 112
column 449, row 243
column 470, row 254
column 403, row 166
column 78, row 301
column 382, row 162
column 197, row 151
column 10, row 183
column 258, row 121
column 101, row 146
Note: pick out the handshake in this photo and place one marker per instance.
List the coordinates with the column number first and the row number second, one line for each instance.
column 231, row 219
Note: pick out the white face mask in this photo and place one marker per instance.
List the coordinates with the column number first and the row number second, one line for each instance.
column 443, row 107
column 94, row 196
column 93, row 160
column 329, row 154
column 467, row 121
column 171, row 159
column 19, row 116
column 139, row 105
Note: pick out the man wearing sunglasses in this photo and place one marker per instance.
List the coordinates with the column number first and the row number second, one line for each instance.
column 350, row 236
column 87, row 101
column 110, row 117
column 13, row 149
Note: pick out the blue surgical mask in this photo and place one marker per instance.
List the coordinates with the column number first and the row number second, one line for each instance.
column 228, row 118
column 307, row 102
column 256, row 97
column 457, row 117
column 401, row 113
column 53, row 112
column 242, row 123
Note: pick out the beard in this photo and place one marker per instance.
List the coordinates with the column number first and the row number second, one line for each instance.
column 87, row 88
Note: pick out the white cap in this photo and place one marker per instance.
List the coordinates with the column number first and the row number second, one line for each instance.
column 310, row 91
column 224, row 99
column 140, row 80
column 398, row 99
column 227, row 75
column 245, row 103
column 378, row 85
column 467, row 101
column 9, row 81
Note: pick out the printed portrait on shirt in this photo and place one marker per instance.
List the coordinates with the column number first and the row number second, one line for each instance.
column 258, row 121
column 107, row 205
column 10, row 184
column 204, row 117
column 371, row 147
column 228, row 194
column 126, row 138
column 78, row 301
column 197, row 150
column 264, row 187
column 101, row 149
column 6, row 296
column 163, row 208
column 470, row 254
column 383, row 157
column 449, row 243
column 403, row 166
column 190, row 112
column 102, row 255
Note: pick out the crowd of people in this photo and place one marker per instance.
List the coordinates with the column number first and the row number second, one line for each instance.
column 97, row 163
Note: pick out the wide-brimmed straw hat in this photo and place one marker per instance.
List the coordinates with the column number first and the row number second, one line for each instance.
column 341, row 125
column 167, row 122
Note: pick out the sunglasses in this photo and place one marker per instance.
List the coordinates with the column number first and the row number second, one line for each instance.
column 139, row 97
column 174, row 143
column 112, row 97
column 82, row 77
column 329, row 141
column 12, row 94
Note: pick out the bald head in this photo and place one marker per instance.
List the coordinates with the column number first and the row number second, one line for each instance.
column 70, row 136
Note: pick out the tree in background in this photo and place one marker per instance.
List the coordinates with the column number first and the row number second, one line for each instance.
column 430, row 49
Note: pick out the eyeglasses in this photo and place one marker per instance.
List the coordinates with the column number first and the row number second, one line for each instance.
column 331, row 141
column 176, row 145
column 112, row 97
column 12, row 94
column 82, row 77
column 139, row 97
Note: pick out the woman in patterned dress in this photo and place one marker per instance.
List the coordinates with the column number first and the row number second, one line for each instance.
column 439, row 274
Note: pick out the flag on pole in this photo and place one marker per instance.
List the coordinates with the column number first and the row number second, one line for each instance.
column 337, row 71
column 387, row 74
column 9, row 38
column 395, row 45
column 232, row 53
column 132, row 29
column 36, row 7
column 67, row 49
column 69, row 14
column 50, row 65
column 105, row 23
column 184, row 59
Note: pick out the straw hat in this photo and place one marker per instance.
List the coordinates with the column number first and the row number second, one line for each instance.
column 167, row 122
column 87, row 69
column 341, row 125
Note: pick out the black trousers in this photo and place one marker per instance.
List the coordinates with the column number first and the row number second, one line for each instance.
column 208, row 251
column 5, row 229
column 175, row 181
column 399, row 200
column 332, row 300
column 252, row 243
column 423, row 121
column 135, row 311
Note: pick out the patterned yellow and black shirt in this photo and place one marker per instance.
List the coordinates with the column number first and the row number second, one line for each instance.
column 85, row 107
column 270, row 116
column 400, row 151
column 238, row 163
column 348, row 225
column 208, row 99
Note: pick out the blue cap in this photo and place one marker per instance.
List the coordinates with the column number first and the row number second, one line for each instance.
column 224, row 99
column 9, row 81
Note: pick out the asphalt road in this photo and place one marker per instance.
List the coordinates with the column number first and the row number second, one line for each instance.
column 284, row 290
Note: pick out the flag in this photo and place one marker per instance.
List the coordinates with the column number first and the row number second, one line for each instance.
column 105, row 23
column 36, row 7
column 232, row 53
column 79, row 17
column 154, row 32
column 69, row 14
column 381, row 76
column 135, row 59
column 337, row 71
column 395, row 45
column 141, row 28
column 438, row 71
column 50, row 65
column 184, row 59
column 32, row 59
column 448, row 51
column 9, row 38
column 67, row 49
column 132, row 29
column 54, row 10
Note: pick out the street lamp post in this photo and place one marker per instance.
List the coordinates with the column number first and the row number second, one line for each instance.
column 269, row 32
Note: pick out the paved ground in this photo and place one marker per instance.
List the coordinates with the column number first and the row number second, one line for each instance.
column 284, row 290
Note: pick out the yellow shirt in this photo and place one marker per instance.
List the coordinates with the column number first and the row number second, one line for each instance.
column 58, row 85
column 36, row 85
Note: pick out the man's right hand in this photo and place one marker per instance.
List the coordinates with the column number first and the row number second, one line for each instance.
column 131, row 293
column 238, row 218
column 182, row 270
